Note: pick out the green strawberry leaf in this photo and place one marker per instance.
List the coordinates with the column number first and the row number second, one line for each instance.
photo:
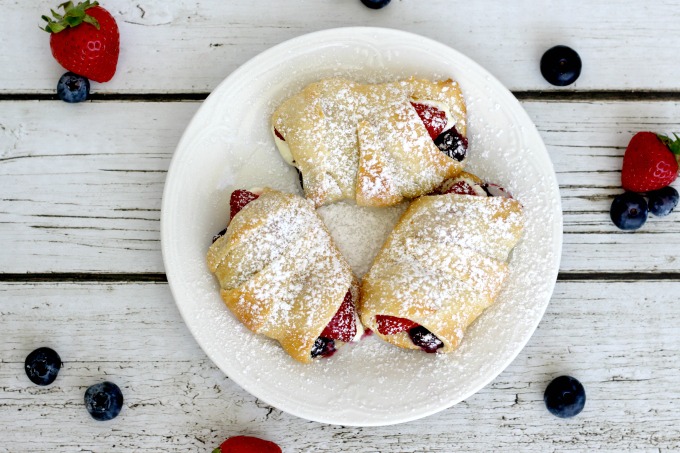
column 54, row 27
column 66, row 5
column 72, row 21
column 672, row 143
column 72, row 17
column 91, row 20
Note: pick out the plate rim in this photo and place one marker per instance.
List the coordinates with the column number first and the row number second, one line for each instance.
column 345, row 33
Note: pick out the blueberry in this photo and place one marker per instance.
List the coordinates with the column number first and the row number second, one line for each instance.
column 662, row 201
column 324, row 347
column 73, row 88
column 219, row 235
column 376, row 4
column 561, row 65
column 104, row 401
column 302, row 184
column 451, row 143
column 565, row 397
column 629, row 211
column 42, row 366
column 426, row 340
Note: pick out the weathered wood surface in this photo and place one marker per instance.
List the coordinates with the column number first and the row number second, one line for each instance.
column 81, row 190
column 82, row 185
column 620, row 339
column 184, row 46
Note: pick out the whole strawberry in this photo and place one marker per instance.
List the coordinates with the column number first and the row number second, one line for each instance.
column 247, row 444
column 85, row 40
column 649, row 162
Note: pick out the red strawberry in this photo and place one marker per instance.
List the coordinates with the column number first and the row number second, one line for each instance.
column 648, row 163
column 85, row 40
column 343, row 325
column 247, row 444
column 388, row 325
column 240, row 198
column 433, row 118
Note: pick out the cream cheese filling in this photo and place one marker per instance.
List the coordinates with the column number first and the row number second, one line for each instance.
column 284, row 149
column 360, row 328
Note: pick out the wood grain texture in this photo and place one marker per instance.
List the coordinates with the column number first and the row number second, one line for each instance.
column 87, row 198
column 80, row 261
column 96, row 188
column 190, row 46
column 618, row 340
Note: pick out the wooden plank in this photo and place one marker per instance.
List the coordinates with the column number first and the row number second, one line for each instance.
column 191, row 46
column 82, row 185
column 586, row 141
column 620, row 342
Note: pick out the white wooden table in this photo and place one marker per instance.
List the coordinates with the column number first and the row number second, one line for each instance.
column 80, row 260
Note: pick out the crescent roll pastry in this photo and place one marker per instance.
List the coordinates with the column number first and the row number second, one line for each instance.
column 376, row 144
column 282, row 276
column 443, row 264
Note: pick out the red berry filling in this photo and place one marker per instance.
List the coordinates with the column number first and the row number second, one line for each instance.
column 389, row 325
column 464, row 186
column 433, row 118
column 461, row 187
column 343, row 325
column 239, row 199
column 420, row 336
column 278, row 135
column 449, row 141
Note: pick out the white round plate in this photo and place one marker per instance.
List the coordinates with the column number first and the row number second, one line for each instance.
column 228, row 145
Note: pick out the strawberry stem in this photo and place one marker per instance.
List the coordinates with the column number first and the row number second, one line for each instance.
column 672, row 143
column 72, row 17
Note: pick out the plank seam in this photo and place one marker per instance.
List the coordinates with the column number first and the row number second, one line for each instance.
column 159, row 277
column 83, row 277
column 522, row 95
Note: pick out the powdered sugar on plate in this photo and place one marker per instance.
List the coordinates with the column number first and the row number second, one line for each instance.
column 359, row 232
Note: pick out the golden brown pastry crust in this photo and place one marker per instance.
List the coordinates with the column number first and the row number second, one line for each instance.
column 279, row 271
column 442, row 266
column 366, row 141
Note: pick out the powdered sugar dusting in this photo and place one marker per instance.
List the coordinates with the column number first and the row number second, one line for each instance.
column 443, row 264
column 371, row 383
column 280, row 272
column 366, row 141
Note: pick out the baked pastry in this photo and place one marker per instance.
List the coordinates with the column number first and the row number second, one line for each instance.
column 374, row 143
column 282, row 276
column 443, row 264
